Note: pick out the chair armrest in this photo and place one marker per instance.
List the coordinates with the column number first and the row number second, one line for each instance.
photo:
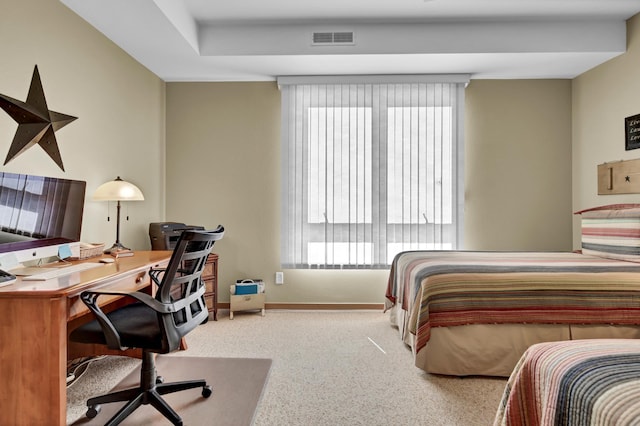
column 155, row 275
column 163, row 308
column 90, row 298
column 111, row 335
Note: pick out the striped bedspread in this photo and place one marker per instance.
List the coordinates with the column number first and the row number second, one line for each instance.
column 578, row 382
column 449, row 288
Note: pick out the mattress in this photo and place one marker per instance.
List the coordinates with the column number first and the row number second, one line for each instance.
column 507, row 301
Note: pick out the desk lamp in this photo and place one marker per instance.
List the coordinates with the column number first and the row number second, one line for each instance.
column 117, row 190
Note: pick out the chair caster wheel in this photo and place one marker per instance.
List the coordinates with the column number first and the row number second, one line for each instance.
column 93, row 411
column 207, row 391
column 159, row 380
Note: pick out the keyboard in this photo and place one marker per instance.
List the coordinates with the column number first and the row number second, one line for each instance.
column 29, row 270
column 6, row 278
column 60, row 272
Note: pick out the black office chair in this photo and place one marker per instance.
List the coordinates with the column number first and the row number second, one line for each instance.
column 154, row 324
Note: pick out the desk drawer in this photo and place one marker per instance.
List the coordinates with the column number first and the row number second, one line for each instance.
column 208, row 298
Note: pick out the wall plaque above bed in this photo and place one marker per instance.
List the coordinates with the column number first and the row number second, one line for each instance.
column 632, row 132
column 619, row 177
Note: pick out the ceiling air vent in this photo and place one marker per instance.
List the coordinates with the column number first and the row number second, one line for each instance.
column 332, row 38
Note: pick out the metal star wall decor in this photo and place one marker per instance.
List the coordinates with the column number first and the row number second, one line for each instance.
column 36, row 123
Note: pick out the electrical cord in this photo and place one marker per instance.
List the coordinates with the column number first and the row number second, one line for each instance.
column 77, row 369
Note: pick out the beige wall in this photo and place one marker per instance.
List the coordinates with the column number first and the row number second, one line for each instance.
column 226, row 138
column 119, row 105
column 602, row 98
column 517, row 165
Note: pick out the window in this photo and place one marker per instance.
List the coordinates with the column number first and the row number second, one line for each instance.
column 369, row 170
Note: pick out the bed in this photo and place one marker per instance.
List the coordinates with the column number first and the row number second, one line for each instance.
column 577, row 382
column 475, row 313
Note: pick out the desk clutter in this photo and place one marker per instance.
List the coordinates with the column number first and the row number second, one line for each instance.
column 247, row 295
column 88, row 251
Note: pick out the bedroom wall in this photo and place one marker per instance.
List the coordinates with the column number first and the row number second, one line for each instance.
column 601, row 99
column 119, row 105
column 223, row 151
column 517, row 157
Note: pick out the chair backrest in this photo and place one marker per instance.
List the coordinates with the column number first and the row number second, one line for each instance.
column 182, row 285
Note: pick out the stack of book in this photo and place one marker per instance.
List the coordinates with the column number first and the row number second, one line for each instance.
column 121, row 253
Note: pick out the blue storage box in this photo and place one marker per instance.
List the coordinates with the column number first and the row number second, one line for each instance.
column 246, row 288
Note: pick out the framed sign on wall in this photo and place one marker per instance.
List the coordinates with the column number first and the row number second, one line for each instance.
column 632, row 132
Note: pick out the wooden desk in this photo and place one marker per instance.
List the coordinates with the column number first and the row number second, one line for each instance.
column 34, row 319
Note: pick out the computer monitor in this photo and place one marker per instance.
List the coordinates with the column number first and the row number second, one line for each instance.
column 38, row 214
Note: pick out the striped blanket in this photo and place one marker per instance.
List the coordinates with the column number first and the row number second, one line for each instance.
column 578, row 382
column 450, row 288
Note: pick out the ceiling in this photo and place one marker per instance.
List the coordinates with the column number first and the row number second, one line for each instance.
column 257, row 40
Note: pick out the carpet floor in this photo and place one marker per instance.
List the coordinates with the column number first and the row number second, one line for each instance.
column 237, row 386
column 338, row 368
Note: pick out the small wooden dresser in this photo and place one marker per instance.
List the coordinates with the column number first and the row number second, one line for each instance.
column 210, row 277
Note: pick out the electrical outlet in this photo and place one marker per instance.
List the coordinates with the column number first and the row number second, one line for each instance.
column 279, row 277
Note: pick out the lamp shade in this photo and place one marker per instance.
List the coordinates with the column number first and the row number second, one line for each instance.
column 118, row 190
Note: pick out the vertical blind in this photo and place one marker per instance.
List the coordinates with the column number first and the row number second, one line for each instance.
column 369, row 170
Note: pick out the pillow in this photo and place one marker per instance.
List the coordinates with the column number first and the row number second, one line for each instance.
column 610, row 207
column 612, row 231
